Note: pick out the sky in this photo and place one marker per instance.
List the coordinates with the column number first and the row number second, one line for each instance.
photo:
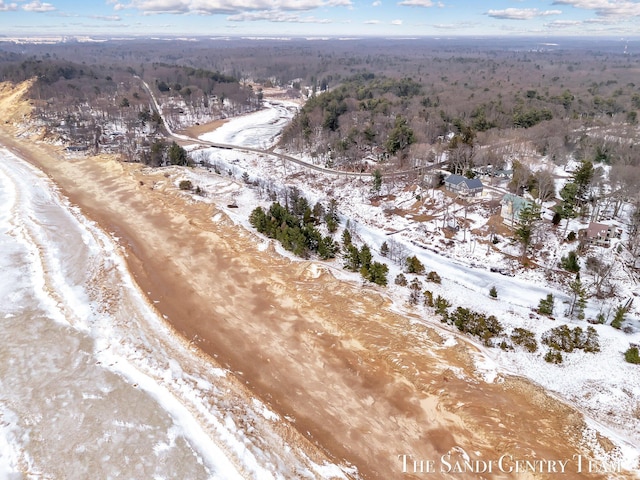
column 343, row 18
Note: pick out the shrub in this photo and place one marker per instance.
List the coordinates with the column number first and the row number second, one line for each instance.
column 414, row 265
column 525, row 338
column 434, row 277
column 476, row 324
column 401, row 280
column 553, row 356
column 565, row 339
column 428, row 298
column 632, row 355
column 442, row 305
column 185, row 185
column 493, row 292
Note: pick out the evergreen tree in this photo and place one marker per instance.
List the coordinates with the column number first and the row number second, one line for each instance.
column 570, row 262
column 632, row 355
column 365, row 256
column 352, row 258
column 618, row 318
column 569, row 196
column 414, row 265
column 178, row 155
column 545, row 307
column 527, row 221
column 378, row 273
column 582, row 177
column 346, row 239
column 377, row 181
column 578, row 299
column 384, row 249
column 327, row 248
column 331, row 217
column 400, row 137
column 493, row 292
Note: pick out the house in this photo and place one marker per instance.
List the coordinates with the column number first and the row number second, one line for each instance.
column 511, row 207
column 600, row 234
column 466, row 187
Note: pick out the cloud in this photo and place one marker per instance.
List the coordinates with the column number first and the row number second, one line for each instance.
column 396, row 22
column 416, row 3
column 372, row 22
column 211, row 7
column 521, row 13
column 8, row 7
column 107, row 18
column 564, row 23
column 38, row 6
column 377, row 3
column 605, row 8
column 275, row 16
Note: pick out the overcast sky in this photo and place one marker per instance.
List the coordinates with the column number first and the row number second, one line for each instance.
column 620, row 18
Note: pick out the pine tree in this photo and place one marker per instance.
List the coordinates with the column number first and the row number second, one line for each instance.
column 414, row 265
column 527, row 221
column 377, row 181
column 352, row 258
column 545, row 307
column 384, row 249
column 578, row 300
column 618, row 318
column 377, row 273
column 493, row 293
column 346, row 239
column 570, row 262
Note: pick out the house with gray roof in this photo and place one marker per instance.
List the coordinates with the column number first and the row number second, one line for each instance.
column 466, row 187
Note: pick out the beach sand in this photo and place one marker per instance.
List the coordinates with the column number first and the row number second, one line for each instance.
column 360, row 383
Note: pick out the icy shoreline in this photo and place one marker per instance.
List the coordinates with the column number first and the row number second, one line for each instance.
column 111, row 356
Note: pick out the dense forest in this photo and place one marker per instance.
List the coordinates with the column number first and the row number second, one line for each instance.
column 401, row 101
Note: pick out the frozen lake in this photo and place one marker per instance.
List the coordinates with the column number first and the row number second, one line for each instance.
column 79, row 368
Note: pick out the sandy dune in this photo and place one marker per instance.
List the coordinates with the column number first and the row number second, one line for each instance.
column 362, row 384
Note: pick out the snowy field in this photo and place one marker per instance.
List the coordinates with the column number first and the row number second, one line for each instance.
column 603, row 386
column 92, row 382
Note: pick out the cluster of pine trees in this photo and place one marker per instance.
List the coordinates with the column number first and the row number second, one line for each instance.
column 297, row 232
column 360, row 260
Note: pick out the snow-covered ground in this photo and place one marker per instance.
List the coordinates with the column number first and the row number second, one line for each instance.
column 603, row 386
column 255, row 130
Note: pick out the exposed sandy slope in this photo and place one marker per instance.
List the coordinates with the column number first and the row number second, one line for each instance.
column 364, row 384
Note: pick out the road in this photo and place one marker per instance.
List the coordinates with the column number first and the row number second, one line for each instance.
column 178, row 138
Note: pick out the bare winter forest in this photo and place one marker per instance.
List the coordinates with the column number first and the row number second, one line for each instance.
column 487, row 106
column 390, row 99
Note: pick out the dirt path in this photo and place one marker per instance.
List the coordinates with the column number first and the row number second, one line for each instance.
column 363, row 384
